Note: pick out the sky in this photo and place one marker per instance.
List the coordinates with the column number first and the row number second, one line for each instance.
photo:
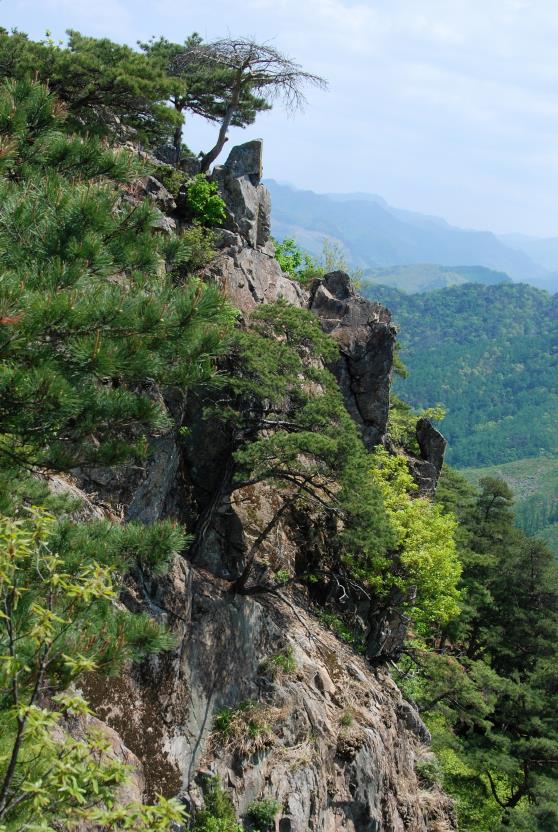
column 447, row 107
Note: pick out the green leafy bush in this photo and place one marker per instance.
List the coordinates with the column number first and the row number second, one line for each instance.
column 295, row 262
column 59, row 621
column 172, row 178
column 190, row 251
column 203, row 200
column 425, row 539
column 262, row 814
column 218, row 813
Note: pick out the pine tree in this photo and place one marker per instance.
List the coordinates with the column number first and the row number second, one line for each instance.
column 201, row 89
column 107, row 88
column 488, row 687
column 95, row 308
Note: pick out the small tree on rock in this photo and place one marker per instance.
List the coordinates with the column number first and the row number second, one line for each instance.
column 203, row 89
column 255, row 68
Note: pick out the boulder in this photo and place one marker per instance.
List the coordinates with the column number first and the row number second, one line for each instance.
column 156, row 191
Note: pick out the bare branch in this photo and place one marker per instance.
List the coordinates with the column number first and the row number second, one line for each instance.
column 256, row 67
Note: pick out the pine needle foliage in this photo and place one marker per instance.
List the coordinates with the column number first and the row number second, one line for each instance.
column 108, row 89
column 486, row 680
column 94, row 307
column 291, row 427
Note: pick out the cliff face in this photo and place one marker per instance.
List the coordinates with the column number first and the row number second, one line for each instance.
column 320, row 730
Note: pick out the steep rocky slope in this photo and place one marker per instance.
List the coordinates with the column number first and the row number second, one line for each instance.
column 326, row 734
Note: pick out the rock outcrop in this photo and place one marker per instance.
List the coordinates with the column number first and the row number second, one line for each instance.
column 426, row 470
column 330, row 739
column 366, row 339
column 246, row 268
column 334, row 742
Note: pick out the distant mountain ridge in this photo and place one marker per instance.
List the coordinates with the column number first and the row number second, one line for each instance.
column 373, row 234
column 426, row 277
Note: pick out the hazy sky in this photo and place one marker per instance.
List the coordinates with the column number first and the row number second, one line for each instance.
column 448, row 107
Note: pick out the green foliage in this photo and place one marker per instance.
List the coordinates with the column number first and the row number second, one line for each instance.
column 262, row 814
column 304, row 268
column 282, row 663
column 95, row 310
column 104, row 306
column 203, row 89
column 489, row 354
column 172, row 178
column 311, row 447
column 403, row 419
column 108, row 89
column 484, row 681
column 346, row 719
column 426, row 277
column 58, row 621
column 352, row 636
column 203, row 200
column 218, row 813
column 535, row 486
column 425, row 541
column 295, row 262
column 198, row 246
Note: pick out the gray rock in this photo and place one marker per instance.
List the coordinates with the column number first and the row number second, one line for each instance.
column 246, row 160
column 227, row 239
column 431, row 443
column 427, row 469
column 366, row 340
column 247, row 200
column 190, row 165
column 156, row 191
column 250, row 276
column 164, row 223
column 326, row 777
column 411, row 719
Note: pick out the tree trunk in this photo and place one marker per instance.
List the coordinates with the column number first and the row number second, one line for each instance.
column 211, row 155
column 177, row 135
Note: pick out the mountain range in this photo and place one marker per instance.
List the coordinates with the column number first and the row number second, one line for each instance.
column 373, row 235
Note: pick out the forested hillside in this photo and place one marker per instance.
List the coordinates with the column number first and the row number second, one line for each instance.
column 489, row 355
column 425, row 277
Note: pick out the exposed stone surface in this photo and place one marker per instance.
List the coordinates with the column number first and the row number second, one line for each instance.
column 328, row 775
column 250, row 277
column 163, row 199
column 366, row 340
column 427, row 469
column 248, row 201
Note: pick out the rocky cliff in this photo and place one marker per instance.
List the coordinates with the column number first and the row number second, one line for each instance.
column 258, row 692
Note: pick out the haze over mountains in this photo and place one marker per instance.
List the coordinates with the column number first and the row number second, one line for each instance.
column 374, row 235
